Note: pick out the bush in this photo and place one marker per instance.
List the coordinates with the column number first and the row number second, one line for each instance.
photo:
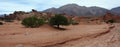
column 32, row 22
column 58, row 20
column 110, row 21
column 8, row 20
column 74, row 22
column 1, row 23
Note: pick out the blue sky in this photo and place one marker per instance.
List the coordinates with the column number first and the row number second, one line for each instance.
column 9, row 6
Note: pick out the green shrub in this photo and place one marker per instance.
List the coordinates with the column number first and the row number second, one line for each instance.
column 40, row 22
column 7, row 19
column 32, row 22
column 1, row 23
column 58, row 20
column 75, row 22
column 110, row 21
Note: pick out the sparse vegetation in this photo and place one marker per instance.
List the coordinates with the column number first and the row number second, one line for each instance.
column 8, row 20
column 58, row 20
column 1, row 23
column 32, row 22
column 110, row 21
column 74, row 22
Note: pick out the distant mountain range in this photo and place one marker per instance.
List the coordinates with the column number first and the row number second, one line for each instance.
column 115, row 11
column 76, row 10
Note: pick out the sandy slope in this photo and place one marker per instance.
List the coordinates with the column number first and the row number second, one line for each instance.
column 15, row 35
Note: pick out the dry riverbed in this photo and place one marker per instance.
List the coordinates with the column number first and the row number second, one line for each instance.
column 15, row 35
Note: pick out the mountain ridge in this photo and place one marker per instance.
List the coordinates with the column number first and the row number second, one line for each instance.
column 76, row 10
column 115, row 10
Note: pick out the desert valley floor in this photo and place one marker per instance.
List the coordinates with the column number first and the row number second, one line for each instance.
column 16, row 35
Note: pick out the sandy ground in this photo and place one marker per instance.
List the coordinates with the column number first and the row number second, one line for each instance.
column 16, row 35
column 108, row 39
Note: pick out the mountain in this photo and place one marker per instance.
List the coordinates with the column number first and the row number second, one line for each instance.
column 74, row 9
column 53, row 10
column 116, row 11
column 1, row 15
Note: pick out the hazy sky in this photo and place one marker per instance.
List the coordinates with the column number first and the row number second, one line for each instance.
column 8, row 6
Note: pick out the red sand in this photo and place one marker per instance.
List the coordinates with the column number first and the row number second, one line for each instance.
column 16, row 35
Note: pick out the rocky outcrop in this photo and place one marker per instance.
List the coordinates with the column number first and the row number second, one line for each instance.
column 20, row 15
column 109, row 16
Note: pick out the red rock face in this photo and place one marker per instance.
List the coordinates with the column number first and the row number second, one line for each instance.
column 109, row 16
column 19, row 15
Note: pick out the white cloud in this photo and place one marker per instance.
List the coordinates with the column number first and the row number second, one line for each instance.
column 14, row 6
column 6, row 12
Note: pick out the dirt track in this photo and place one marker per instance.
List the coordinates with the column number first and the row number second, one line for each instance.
column 45, row 36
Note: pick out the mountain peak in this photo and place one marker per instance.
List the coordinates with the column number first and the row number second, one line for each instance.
column 74, row 9
column 71, row 4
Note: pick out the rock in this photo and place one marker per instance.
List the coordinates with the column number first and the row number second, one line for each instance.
column 109, row 16
column 26, row 33
column 33, row 10
column 20, row 45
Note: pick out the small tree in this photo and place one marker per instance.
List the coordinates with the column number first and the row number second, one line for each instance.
column 32, row 22
column 58, row 20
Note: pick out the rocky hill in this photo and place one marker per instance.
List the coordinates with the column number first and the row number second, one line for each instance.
column 76, row 10
column 116, row 11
